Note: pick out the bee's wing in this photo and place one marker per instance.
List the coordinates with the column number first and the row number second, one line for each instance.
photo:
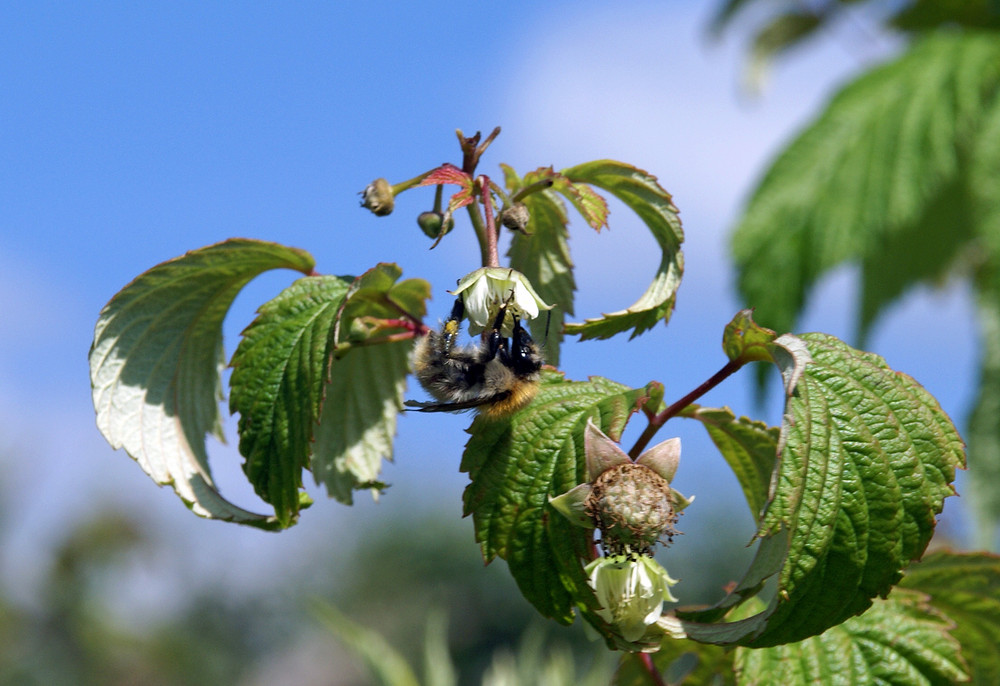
column 455, row 407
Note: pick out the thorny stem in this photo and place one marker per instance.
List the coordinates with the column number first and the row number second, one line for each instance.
column 493, row 254
column 654, row 674
column 660, row 419
column 472, row 150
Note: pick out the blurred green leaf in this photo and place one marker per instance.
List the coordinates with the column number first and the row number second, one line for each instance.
column 966, row 588
column 438, row 667
column 783, row 32
column 984, row 424
column 385, row 664
column 901, row 640
column 515, row 465
column 156, row 365
column 877, row 178
column 680, row 662
column 921, row 15
column 641, row 192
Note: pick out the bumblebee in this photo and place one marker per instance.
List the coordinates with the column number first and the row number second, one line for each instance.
column 497, row 377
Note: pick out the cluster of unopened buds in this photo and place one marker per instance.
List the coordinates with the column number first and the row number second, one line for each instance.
column 634, row 507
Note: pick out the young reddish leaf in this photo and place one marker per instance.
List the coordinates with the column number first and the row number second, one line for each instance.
column 449, row 173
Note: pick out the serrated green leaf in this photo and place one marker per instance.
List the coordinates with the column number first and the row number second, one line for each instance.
column 387, row 666
column 749, row 446
column 641, row 192
column 901, row 640
column 277, row 383
column 877, row 178
column 515, row 465
column 156, row 364
column 866, row 459
column 966, row 588
column 367, row 379
column 543, row 256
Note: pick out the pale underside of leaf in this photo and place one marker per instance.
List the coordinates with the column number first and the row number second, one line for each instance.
column 358, row 423
column 157, row 359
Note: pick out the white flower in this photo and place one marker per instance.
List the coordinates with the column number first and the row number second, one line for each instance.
column 631, row 591
column 487, row 289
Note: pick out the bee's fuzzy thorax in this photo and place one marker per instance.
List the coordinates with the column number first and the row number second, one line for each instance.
column 497, row 377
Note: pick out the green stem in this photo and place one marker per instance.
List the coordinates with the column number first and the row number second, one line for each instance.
column 531, row 188
column 342, row 348
column 406, row 185
column 660, row 419
column 480, row 227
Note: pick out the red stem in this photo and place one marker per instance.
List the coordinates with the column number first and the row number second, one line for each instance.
column 493, row 254
column 659, row 420
column 654, row 674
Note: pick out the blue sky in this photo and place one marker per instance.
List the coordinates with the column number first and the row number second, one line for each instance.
column 131, row 133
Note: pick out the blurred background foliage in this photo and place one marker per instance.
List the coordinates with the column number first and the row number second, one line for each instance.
column 390, row 582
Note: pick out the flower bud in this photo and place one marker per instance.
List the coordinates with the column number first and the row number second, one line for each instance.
column 434, row 224
column 516, row 217
column 378, row 197
column 631, row 590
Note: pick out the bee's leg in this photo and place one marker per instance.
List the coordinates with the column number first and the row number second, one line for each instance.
column 522, row 359
column 495, row 342
column 452, row 326
column 457, row 310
